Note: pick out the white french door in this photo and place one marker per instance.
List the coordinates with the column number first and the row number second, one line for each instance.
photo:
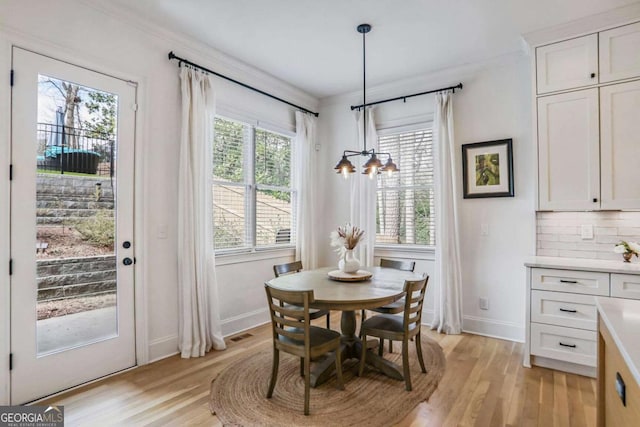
column 72, row 210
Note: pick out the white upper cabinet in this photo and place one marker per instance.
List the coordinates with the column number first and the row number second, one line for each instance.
column 569, row 151
column 620, row 53
column 620, row 145
column 566, row 65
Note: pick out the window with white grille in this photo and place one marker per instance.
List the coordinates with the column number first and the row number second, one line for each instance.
column 253, row 196
column 405, row 200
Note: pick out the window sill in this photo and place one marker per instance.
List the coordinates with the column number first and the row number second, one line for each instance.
column 249, row 255
column 407, row 251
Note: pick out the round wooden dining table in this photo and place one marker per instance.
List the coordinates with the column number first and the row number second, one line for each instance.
column 384, row 287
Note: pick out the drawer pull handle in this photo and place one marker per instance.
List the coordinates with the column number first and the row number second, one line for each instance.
column 568, row 281
column 567, row 345
column 566, row 310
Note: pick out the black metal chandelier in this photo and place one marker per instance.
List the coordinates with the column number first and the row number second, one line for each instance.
column 374, row 165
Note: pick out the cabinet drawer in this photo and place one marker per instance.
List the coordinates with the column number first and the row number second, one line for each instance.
column 569, row 310
column 581, row 282
column 571, row 345
column 625, row 286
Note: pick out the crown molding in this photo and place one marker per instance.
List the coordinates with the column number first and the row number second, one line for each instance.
column 206, row 55
column 587, row 25
column 427, row 81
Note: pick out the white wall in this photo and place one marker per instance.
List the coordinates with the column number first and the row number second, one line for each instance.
column 494, row 104
column 93, row 34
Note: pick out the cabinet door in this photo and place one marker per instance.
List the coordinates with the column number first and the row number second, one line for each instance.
column 620, row 145
column 568, row 151
column 567, row 65
column 620, row 53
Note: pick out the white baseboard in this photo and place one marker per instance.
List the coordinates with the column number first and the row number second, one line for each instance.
column 244, row 321
column 427, row 317
column 560, row 365
column 509, row 331
column 161, row 348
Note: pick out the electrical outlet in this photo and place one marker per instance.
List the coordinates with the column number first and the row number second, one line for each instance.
column 484, row 303
column 484, row 229
column 586, row 231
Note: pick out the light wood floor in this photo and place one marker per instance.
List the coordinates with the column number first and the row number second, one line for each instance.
column 484, row 385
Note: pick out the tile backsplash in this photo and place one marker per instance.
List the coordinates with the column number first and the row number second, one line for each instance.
column 559, row 233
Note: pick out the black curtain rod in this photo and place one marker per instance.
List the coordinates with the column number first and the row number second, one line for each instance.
column 200, row 67
column 458, row 86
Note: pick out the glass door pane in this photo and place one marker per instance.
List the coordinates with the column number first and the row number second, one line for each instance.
column 75, row 215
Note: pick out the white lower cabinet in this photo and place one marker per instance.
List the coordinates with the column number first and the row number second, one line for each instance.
column 625, row 286
column 563, row 309
column 562, row 316
column 566, row 344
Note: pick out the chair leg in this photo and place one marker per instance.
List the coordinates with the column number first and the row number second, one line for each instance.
column 307, row 384
column 419, row 351
column 363, row 317
column 381, row 347
column 274, row 372
column 329, row 320
column 302, row 366
column 390, row 346
column 405, row 364
column 363, row 355
column 339, row 382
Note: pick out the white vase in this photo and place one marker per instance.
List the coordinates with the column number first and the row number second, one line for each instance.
column 349, row 263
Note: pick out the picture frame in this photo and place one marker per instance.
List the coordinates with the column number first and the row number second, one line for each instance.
column 487, row 169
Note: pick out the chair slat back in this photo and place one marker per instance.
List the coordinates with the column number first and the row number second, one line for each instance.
column 415, row 291
column 398, row 265
column 292, row 267
column 285, row 321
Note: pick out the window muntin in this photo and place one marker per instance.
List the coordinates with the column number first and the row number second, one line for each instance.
column 405, row 200
column 253, row 195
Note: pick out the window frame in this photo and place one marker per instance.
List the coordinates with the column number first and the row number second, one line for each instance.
column 251, row 187
column 393, row 130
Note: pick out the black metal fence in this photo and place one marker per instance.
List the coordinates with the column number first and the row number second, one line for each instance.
column 66, row 149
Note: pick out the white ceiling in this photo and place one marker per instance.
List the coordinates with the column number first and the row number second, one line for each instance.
column 313, row 44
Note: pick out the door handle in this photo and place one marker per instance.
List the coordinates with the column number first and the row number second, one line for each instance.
column 127, row 261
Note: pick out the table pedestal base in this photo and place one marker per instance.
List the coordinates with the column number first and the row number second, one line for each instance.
column 352, row 349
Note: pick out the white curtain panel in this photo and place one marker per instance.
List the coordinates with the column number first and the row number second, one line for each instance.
column 363, row 190
column 305, row 179
column 448, row 280
column 199, row 319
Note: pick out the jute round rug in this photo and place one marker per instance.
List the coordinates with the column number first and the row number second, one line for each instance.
column 238, row 393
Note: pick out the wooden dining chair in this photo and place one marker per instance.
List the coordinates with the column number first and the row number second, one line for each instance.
column 295, row 335
column 295, row 267
column 396, row 306
column 400, row 328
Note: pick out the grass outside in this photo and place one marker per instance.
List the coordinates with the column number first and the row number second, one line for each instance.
column 52, row 172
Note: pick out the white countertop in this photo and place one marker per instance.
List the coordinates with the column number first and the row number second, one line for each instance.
column 622, row 318
column 585, row 264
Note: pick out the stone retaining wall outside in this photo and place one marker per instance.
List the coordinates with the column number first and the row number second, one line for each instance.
column 68, row 185
column 74, row 277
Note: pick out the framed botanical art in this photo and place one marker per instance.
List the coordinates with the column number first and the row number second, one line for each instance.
column 487, row 169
